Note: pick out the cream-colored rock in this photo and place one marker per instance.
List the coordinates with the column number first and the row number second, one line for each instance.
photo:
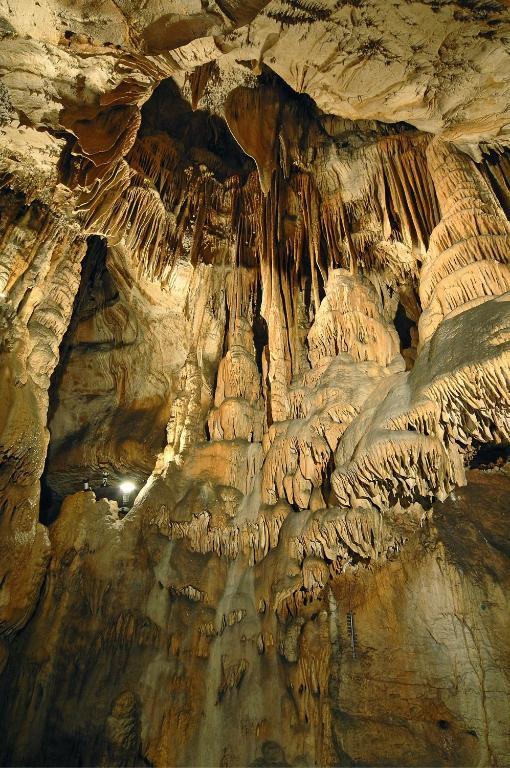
column 224, row 279
column 350, row 346
column 467, row 260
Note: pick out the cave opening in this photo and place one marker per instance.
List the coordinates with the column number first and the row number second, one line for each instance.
column 403, row 325
column 97, row 420
column 260, row 339
column 93, row 265
column 202, row 137
column 489, row 456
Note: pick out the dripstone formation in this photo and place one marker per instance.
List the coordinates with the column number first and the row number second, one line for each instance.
column 255, row 260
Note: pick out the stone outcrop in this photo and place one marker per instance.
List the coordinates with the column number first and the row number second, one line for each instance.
column 254, row 259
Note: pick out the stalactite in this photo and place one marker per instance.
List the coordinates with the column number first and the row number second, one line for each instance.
column 252, row 116
column 410, row 188
column 337, row 232
column 198, row 80
column 309, row 200
column 496, row 170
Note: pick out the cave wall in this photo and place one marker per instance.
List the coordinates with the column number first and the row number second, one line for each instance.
column 273, row 291
column 133, row 658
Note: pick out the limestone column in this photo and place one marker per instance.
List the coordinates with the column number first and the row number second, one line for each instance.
column 467, row 259
column 35, row 310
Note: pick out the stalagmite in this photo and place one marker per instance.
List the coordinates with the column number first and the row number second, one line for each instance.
column 347, row 341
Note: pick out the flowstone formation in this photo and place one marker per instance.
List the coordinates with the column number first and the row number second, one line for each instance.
column 254, row 259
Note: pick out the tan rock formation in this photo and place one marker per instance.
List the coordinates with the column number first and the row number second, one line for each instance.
column 467, row 260
column 41, row 272
column 254, row 259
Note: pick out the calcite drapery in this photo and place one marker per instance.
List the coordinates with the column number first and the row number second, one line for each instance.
column 41, row 273
column 467, row 260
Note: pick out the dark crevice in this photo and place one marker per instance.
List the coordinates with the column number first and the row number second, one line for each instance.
column 260, row 339
column 489, row 456
column 93, row 263
column 403, row 327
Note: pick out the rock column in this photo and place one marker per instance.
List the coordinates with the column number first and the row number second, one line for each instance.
column 467, row 259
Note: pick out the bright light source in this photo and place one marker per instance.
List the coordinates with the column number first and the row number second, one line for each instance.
column 127, row 487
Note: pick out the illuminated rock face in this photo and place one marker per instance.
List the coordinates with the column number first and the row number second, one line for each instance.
column 230, row 277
